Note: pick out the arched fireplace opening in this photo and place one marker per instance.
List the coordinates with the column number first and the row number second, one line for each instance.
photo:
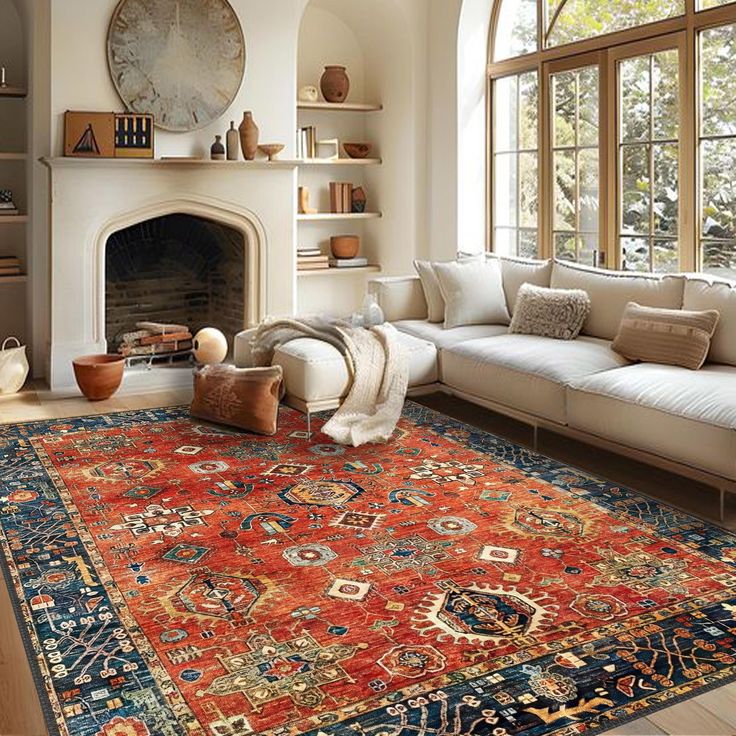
column 175, row 269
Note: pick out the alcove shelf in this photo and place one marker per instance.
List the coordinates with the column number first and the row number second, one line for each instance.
column 339, row 162
column 332, row 272
column 334, row 216
column 339, row 106
column 7, row 280
column 13, row 92
column 12, row 156
column 13, row 219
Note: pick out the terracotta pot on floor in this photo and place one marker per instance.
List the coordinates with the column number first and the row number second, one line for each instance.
column 99, row 376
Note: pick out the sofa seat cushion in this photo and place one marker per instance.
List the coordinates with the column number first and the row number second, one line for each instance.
column 443, row 338
column 526, row 372
column 316, row 371
column 670, row 411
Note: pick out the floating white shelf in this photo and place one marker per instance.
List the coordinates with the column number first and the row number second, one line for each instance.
column 334, row 216
column 338, row 162
column 7, row 156
column 330, row 272
column 339, row 106
column 20, row 279
column 13, row 219
column 13, row 92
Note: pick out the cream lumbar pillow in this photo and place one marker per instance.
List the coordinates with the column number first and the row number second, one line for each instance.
column 473, row 293
column 431, row 289
column 556, row 313
column 668, row 336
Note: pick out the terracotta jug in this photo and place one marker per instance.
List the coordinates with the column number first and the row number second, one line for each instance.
column 335, row 84
column 248, row 136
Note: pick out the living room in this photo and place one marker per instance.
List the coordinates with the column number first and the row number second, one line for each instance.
column 367, row 367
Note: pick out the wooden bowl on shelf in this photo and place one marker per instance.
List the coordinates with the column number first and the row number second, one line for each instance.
column 357, row 150
column 345, row 246
column 272, row 150
column 99, row 376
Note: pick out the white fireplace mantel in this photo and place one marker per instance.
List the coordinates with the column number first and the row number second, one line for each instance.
column 91, row 199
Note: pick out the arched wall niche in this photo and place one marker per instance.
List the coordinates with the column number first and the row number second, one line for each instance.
column 382, row 44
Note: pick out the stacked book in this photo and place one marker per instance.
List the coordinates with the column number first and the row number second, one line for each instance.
column 9, row 266
column 358, row 262
column 306, row 142
column 311, row 259
column 341, row 197
column 156, row 339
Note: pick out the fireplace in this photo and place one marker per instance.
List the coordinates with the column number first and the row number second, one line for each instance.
column 176, row 269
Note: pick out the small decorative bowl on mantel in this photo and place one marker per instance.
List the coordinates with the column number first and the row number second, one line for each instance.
column 272, row 150
column 357, row 150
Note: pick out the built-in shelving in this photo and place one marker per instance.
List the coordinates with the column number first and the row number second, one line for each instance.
column 339, row 271
column 13, row 92
column 339, row 162
column 13, row 219
column 10, row 156
column 20, row 279
column 339, row 106
column 333, row 216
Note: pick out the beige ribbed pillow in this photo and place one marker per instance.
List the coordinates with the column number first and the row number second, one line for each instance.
column 667, row 336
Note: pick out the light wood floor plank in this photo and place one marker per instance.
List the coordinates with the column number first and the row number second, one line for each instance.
column 691, row 719
column 640, row 727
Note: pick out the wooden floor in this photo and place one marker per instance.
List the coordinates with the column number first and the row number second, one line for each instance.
column 711, row 714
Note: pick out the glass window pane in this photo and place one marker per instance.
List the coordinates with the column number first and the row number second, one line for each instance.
column 504, row 241
column 564, row 96
column 528, row 111
column 718, row 81
column 635, row 189
column 565, row 247
column 719, row 188
column 516, row 33
column 719, row 257
column 565, row 191
column 588, row 250
column 505, row 114
column 528, row 190
column 666, row 256
column 579, row 19
column 705, row 4
column 505, row 181
column 666, row 188
column 665, row 94
column 588, row 106
column 589, row 186
column 635, row 254
column 528, row 245
column 634, row 85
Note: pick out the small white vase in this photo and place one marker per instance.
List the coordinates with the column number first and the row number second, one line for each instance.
column 372, row 312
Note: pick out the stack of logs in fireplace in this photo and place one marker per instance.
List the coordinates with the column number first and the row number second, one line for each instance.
column 156, row 340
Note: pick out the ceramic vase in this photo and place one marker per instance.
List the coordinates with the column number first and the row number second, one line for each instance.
column 13, row 367
column 217, row 151
column 232, row 139
column 372, row 312
column 210, row 346
column 335, row 84
column 248, row 131
column 99, row 376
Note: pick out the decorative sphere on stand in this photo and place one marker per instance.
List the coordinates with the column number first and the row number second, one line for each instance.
column 210, row 346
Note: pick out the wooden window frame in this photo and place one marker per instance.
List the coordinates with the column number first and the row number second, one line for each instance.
column 607, row 50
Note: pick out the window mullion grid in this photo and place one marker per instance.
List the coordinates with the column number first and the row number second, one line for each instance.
column 651, row 163
column 577, row 166
column 518, row 164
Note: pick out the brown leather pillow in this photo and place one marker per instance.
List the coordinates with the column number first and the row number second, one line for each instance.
column 247, row 398
column 667, row 336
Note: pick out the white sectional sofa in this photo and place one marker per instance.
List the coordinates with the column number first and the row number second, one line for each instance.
column 671, row 417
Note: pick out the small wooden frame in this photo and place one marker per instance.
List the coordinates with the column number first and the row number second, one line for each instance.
column 108, row 135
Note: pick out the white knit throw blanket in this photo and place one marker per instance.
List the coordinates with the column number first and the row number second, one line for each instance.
column 378, row 365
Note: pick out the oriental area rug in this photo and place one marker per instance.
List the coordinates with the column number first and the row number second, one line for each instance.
column 173, row 578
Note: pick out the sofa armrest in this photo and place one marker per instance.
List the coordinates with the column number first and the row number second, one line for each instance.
column 400, row 297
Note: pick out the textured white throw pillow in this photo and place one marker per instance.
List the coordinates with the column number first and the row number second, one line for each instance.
column 556, row 313
column 431, row 289
column 473, row 293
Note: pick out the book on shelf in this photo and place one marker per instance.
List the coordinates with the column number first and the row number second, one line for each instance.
column 6, row 261
column 306, row 142
column 9, row 270
column 341, row 197
column 5, row 212
column 308, row 253
column 320, row 266
column 358, row 262
column 311, row 260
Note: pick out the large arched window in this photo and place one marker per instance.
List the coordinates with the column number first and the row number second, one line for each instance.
column 613, row 132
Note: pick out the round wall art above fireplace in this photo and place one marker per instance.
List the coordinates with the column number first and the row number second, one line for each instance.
column 183, row 61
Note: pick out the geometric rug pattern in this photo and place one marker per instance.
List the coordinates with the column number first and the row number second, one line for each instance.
column 176, row 578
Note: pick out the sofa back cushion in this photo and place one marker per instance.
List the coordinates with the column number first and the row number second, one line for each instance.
column 519, row 271
column 432, row 291
column 611, row 291
column 702, row 292
column 473, row 293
